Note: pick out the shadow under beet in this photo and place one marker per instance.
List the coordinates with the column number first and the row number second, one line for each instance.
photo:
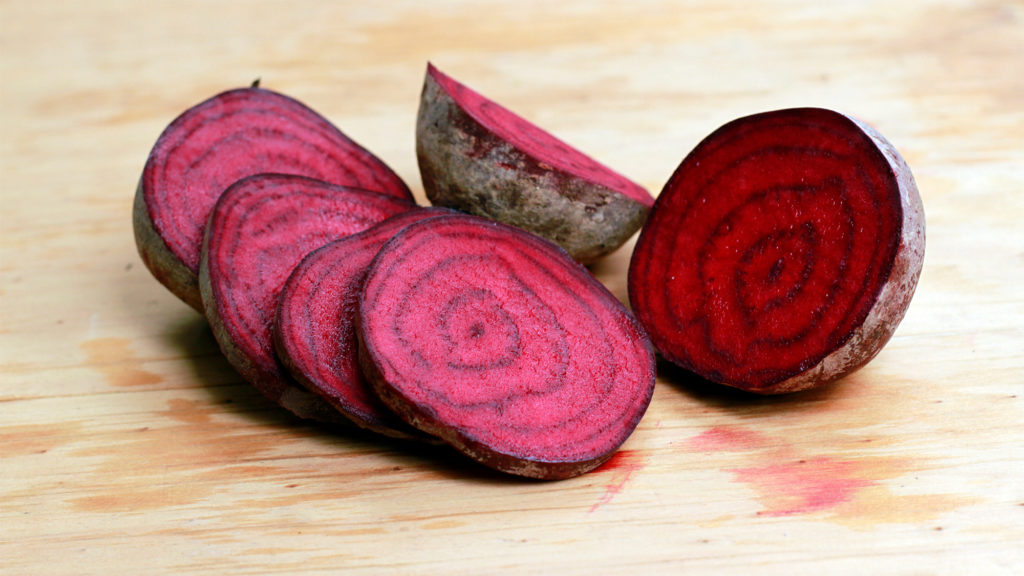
column 232, row 394
column 728, row 398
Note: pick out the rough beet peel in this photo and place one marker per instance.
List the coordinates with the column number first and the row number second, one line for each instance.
column 479, row 157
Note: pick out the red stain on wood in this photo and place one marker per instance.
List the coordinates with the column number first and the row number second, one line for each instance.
column 805, row 486
column 726, row 438
column 622, row 466
column 848, row 485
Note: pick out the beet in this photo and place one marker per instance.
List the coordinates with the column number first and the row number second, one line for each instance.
column 258, row 231
column 478, row 157
column 314, row 332
column 497, row 342
column 223, row 139
column 782, row 253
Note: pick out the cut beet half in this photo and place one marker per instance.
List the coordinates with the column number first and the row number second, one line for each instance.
column 314, row 333
column 476, row 156
column 782, row 253
column 259, row 230
column 235, row 134
column 494, row 340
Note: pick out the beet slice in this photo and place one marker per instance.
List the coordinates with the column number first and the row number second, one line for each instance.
column 259, row 230
column 496, row 341
column 314, row 332
column 782, row 253
column 208, row 147
column 477, row 156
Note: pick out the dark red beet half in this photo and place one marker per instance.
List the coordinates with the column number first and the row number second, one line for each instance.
column 314, row 333
column 782, row 253
column 496, row 341
column 477, row 156
column 259, row 230
column 235, row 134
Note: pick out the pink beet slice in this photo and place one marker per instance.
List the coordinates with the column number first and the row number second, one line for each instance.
column 258, row 231
column 497, row 342
column 477, row 156
column 782, row 253
column 235, row 134
column 314, row 333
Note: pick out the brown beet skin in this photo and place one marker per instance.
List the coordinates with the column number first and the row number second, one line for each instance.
column 259, row 230
column 478, row 157
column 497, row 342
column 783, row 252
column 211, row 145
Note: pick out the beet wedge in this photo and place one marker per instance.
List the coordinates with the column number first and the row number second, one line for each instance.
column 478, row 157
column 496, row 341
column 208, row 147
column 259, row 230
column 782, row 253
column 314, row 332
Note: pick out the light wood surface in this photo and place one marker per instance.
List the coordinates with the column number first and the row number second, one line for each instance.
column 129, row 446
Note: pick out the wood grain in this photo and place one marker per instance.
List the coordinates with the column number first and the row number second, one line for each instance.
column 128, row 445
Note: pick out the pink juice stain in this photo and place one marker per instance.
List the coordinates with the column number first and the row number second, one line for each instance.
column 726, row 438
column 804, row 486
column 786, row 484
column 622, row 466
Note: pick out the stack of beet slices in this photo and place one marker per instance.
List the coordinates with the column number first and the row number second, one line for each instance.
column 314, row 332
column 780, row 256
column 340, row 299
column 215, row 143
column 258, row 231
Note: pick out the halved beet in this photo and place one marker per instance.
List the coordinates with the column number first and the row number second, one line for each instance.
column 208, row 147
column 496, row 341
column 258, row 231
column 782, row 253
column 477, row 156
column 314, row 333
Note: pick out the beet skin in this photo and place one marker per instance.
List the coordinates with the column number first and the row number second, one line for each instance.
column 478, row 157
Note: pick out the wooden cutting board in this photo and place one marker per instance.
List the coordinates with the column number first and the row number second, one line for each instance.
column 128, row 445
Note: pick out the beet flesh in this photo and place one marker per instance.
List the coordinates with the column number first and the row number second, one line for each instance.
column 782, row 253
column 496, row 341
column 211, row 145
column 314, row 332
column 479, row 157
column 259, row 230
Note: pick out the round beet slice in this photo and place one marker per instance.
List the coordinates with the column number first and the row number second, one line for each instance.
column 782, row 253
column 258, row 231
column 208, row 147
column 496, row 341
column 314, row 333
column 477, row 156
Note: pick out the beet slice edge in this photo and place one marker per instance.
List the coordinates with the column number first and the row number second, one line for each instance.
column 258, row 231
column 212, row 144
column 314, row 330
column 479, row 157
column 782, row 253
column 497, row 342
